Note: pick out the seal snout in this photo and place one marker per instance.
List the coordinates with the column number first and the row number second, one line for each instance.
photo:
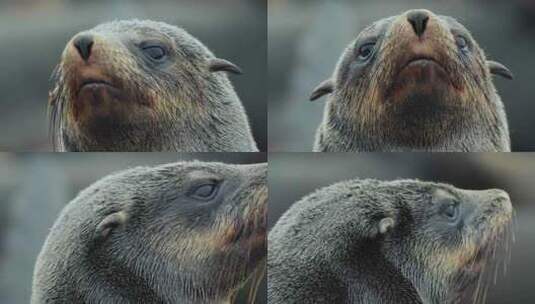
column 500, row 200
column 83, row 60
column 84, row 43
column 424, row 65
column 418, row 20
column 493, row 207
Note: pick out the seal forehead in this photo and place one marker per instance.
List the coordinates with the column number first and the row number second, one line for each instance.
column 147, row 28
column 441, row 192
column 376, row 27
column 195, row 169
column 136, row 26
column 452, row 22
column 177, row 169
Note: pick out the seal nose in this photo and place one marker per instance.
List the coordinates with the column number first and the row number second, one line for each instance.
column 499, row 199
column 84, row 43
column 258, row 171
column 418, row 19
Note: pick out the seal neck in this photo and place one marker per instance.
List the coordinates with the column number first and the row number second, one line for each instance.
column 371, row 278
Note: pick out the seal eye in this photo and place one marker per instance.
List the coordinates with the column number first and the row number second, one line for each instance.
column 451, row 211
column 205, row 191
column 366, row 50
column 155, row 52
column 461, row 42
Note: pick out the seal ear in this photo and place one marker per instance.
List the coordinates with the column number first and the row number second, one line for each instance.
column 325, row 87
column 109, row 223
column 222, row 65
column 497, row 68
column 385, row 225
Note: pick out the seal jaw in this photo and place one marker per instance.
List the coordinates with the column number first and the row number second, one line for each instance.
column 424, row 70
column 96, row 94
column 95, row 101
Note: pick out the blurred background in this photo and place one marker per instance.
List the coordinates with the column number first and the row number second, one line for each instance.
column 33, row 34
column 34, row 187
column 294, row 175
column 306, row 38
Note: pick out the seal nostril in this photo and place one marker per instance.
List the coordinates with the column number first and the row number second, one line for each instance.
column 418, row 20
column 499, row 195
column 84, row 44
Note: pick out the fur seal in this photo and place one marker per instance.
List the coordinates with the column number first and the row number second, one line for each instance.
column 189, row 232
column 145, row 86
column 403, row 241
column 413, row 82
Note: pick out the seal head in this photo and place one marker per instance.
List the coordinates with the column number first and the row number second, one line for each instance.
column 178, row 233
column 417, row 81
column 404, row 241
column 145, row 86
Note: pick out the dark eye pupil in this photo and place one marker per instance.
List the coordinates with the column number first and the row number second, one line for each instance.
column 461, row 42
column 205, row 191
column 451, row 211
column 155, row 52
column 366, row 50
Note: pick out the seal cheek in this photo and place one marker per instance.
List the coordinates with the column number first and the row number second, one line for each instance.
column 246, row 233
column 232, row 232
column 237, row 236
column 249, row 231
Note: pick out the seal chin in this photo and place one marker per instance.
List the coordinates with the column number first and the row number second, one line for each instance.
column 97, row 92
column 97, row 100
column 422, row 75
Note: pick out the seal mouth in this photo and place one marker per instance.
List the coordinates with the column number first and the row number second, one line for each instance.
column 95, row 83
column 476, row 263
column 423, row 74
column 91, row 81
column 422, row 60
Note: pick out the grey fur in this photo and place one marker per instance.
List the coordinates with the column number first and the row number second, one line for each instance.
column 370, row 241
column 186, row 87
column 351, row 122
column 138, row 237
